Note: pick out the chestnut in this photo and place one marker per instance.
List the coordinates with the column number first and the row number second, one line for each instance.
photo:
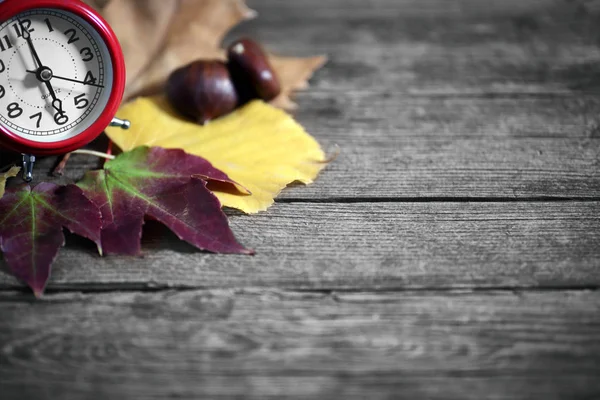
column 251, row 71
column 202, row 90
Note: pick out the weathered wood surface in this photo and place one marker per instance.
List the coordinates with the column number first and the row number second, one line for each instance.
column 470, row 160
column 446, row 99
column 384, row 164
column 365, row 246
column 439, row 46
column 274, row 345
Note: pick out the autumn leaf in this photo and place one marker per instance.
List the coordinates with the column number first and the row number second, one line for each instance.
column 260, row 147
column 177, row 32
column 166, row 185
column 31, row 224
column 295, row 72
column 11, row 173
column 132, row 20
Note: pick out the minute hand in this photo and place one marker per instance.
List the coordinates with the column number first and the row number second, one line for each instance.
column 27, row 37
column 56, row 102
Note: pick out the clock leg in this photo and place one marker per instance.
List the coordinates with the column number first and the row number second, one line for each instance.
column 28, row 163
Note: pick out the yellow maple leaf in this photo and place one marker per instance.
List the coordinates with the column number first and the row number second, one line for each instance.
column 4, row 176
column 259, row 146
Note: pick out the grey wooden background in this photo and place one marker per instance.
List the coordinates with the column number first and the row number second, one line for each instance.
column 451, row 252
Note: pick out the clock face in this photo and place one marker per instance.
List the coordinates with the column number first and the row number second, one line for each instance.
column 55, row 75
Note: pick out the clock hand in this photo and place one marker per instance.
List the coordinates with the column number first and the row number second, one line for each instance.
column 27, row 37
column 56, row 102
column 69, row 79
column 76, row 81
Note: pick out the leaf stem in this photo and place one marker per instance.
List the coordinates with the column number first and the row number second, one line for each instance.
column 62, row 165
column 109, row 149
column 95, row 153
column 333, row 156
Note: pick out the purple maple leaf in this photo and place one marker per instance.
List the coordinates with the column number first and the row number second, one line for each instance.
column 31, row 228
column 165, row 185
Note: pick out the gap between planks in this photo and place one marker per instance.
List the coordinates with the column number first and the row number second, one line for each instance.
column 10, row 294
column 449, row 199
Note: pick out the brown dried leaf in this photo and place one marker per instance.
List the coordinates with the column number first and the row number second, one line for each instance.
column 142, row 27
column 159, row 36
column 196, row 32
column 295, row 73
column 97, row 4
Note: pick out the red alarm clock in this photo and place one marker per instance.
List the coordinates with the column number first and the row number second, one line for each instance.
column 62, row 77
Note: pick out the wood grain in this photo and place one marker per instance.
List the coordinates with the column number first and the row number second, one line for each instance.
column 366, row 115
column 441, row 149
column 401, row 168
column 365, row 246
column 451, row 252
column 458, row 46
column 274, row 345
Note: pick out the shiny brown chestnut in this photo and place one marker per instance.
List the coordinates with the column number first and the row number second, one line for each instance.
column 202, row 91
column 251, row 71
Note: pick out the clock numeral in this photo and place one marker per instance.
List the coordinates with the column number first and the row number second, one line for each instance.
column 81, row 102
column 50, row 28
column 14, row 110
column 2, row 66
column 72, row 35
column 61, row 118
column 87, row 54
column 90, row 79
column 2, row 91
column 39, row 119
column 24, row 23
column 5, row 43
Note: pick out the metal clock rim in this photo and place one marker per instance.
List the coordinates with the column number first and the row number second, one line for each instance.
column 14, row 142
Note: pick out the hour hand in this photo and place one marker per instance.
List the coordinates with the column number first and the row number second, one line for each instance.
column 57, row 104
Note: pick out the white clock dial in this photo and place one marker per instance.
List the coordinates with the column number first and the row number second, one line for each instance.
column 55, row 75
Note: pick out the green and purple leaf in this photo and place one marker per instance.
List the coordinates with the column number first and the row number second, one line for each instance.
column 31, row 228
column 164, row 185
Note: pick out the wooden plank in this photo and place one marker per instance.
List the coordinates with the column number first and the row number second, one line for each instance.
column 445, row 147
column 262, row 344
column 393, row 9
column 379, row 115
column 440, row 148
column 397, row 168
column 365, row 246
column 451, row 46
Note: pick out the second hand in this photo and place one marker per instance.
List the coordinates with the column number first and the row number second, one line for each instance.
column 69, row 79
